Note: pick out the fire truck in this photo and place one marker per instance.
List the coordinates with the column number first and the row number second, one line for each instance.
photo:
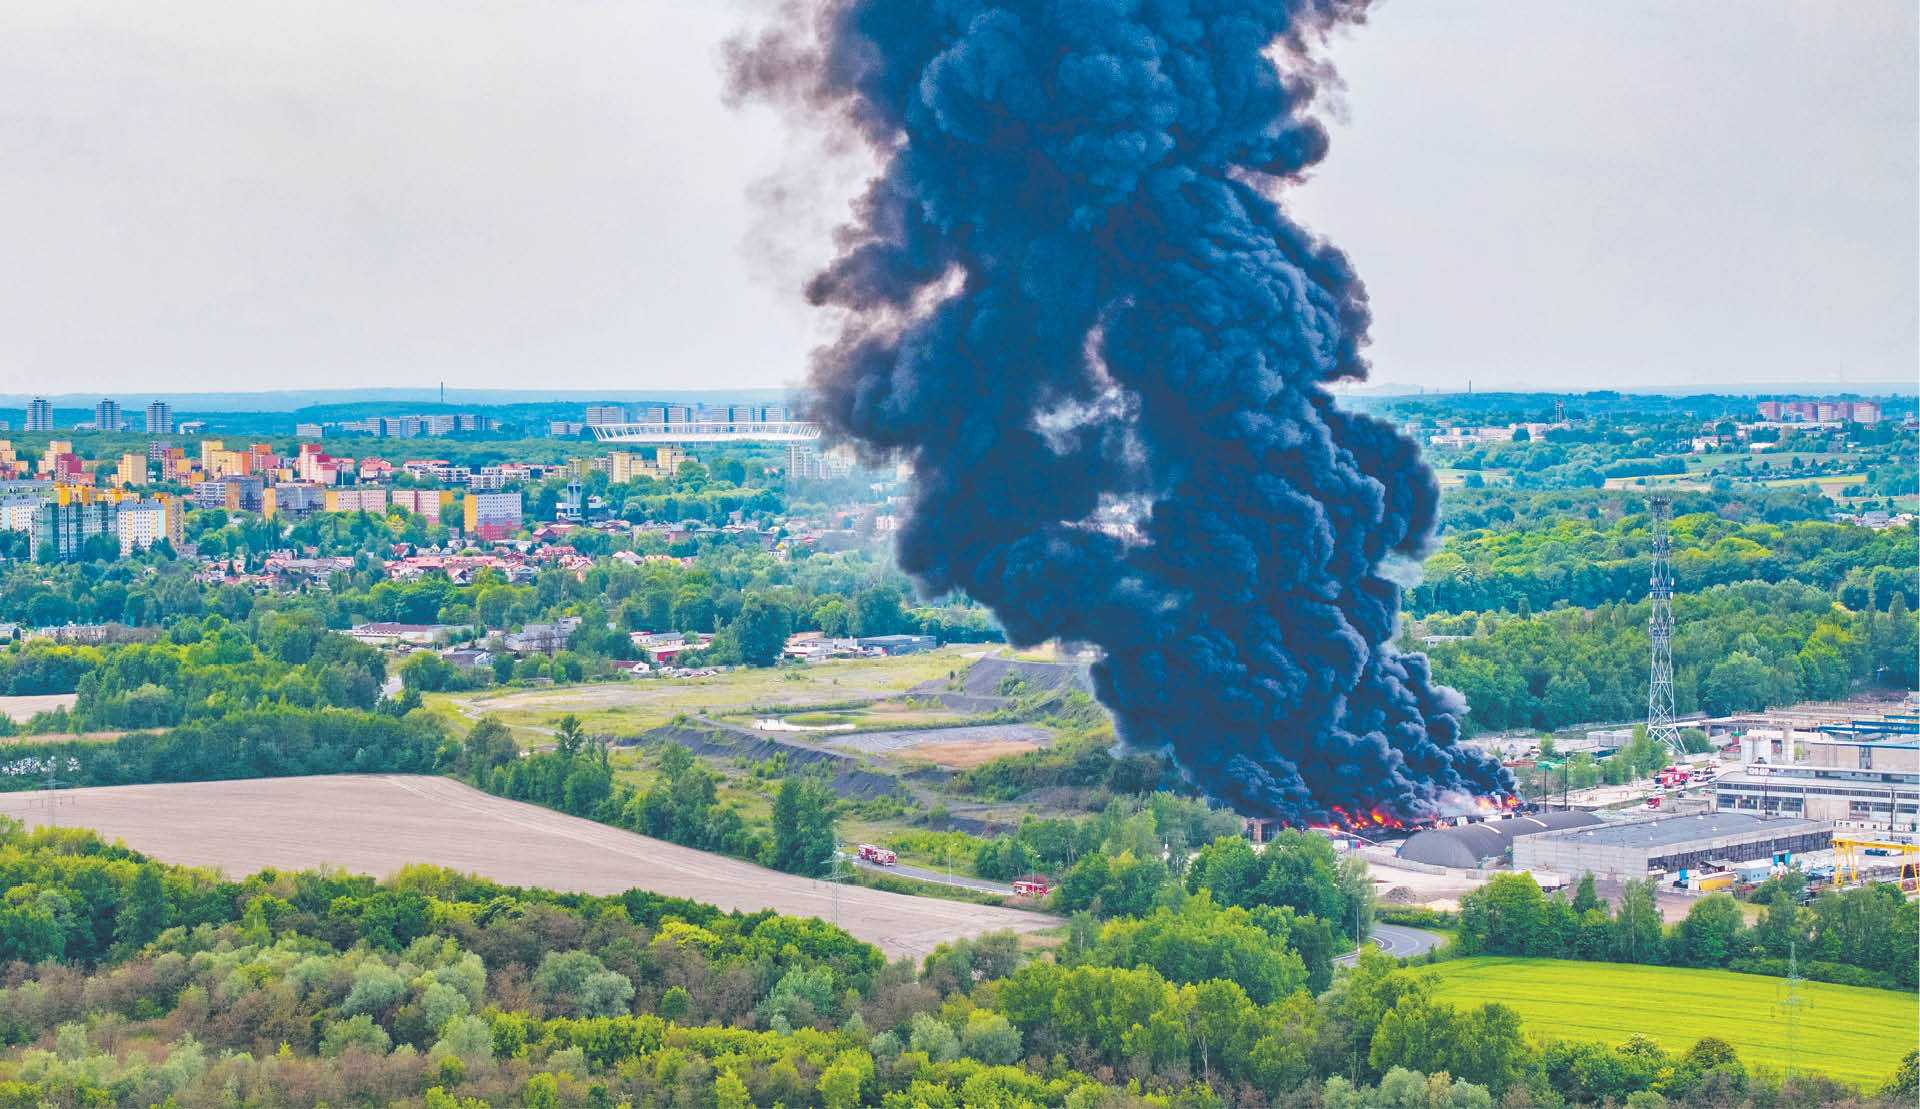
column 1032, row 886
column 1673, row 776
column 879, row 856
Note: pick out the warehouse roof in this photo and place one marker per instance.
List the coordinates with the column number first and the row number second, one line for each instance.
column 1467, row 845
column 1668, row 831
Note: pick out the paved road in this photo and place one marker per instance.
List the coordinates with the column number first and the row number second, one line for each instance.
column 940, row 877
column 377, row 823
column 1398, row 941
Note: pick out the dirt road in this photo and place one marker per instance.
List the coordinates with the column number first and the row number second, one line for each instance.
column 375, row 824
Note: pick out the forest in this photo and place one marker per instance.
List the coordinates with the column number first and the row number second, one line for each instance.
column 128, row 981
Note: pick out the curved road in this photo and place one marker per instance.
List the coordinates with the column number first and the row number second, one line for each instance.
column 1398, row 941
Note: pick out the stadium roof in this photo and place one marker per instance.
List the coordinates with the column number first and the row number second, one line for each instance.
column 1467, row 846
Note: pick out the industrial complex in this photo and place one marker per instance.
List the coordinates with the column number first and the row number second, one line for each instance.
column 1708, row 842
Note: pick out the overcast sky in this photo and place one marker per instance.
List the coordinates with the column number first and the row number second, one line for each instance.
column 1540, row 193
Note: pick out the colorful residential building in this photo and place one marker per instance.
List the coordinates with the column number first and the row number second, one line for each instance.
column 423, row 502
column 356, row 498
column 492, row 515
column 132, row 471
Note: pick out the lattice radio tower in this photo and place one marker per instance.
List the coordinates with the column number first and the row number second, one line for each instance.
column 1662, row 728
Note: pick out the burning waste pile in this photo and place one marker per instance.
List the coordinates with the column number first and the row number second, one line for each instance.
column 1071, row 301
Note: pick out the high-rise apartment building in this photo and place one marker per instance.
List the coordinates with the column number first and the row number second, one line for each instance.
column 159, row 418
column 133, row 470
column 492, row 515
column 143, row 523
column 59, row 530
column 106, row 415
column 602, row 414
column 39, row 414
column 292, row 498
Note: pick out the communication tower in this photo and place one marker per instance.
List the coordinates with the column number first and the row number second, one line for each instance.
column 1661, row 726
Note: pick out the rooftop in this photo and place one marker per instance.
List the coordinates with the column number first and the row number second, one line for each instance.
column 1667, row 831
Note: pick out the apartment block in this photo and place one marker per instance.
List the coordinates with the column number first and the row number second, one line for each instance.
column 143, row 523
column 60, row 530
column 292, row 498
column 234, row 492
column 132, row 471
column 423, row 502
column 159, row 418
column 357, row 499
column 492, row 515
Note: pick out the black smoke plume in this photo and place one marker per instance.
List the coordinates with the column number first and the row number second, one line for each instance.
column 1071, row 303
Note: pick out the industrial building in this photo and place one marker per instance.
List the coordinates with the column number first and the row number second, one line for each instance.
column 1862, row 772
column 1636, row 848
column 1471, row 846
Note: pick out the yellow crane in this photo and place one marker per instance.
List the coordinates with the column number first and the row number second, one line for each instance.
column 1851, row 849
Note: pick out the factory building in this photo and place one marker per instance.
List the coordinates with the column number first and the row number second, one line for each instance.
column 1704, row 842
column 1470, row 846
column 1862, row 773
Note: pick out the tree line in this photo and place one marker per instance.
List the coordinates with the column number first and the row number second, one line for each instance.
column 129, row 981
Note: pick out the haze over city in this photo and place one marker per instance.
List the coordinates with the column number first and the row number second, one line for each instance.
column 1545, row 195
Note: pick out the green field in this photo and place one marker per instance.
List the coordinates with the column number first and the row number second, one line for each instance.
column 629, row 707
column 1853, row 1034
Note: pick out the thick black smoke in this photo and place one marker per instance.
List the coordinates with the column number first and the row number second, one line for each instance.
column 1070, row 302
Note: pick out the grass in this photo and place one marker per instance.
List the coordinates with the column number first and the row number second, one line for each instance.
column 1848, row 1032
column 629, row 707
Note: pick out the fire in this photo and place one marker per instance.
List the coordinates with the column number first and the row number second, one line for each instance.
column 1362, row 819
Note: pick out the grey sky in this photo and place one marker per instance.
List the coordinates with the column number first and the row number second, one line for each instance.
column 1547, row 193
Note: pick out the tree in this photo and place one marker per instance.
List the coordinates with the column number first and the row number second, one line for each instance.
column 878, row 612
column 1585, row 897
column 144, row 915
column 803, row 827
column 568, row 736
column 761, row 630
column 1636, row 927
column 1738, row 682
column 1418, row 1033
column 1710, row 936
column 1492, row 1050
column 488, row 744
column 1503, row 917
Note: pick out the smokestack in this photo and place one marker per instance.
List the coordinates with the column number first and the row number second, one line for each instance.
column 1073, row 305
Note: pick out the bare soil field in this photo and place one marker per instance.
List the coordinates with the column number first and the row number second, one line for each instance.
column 376, row 824
column 22, row 709
column 966, row 755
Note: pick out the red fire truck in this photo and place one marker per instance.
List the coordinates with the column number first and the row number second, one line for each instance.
column 879, row 856
column 1673, row 776
column 1034, row 885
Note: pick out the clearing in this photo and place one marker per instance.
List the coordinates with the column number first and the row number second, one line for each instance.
column 1849, row 1032
column 376, row 824
column 635, row 705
